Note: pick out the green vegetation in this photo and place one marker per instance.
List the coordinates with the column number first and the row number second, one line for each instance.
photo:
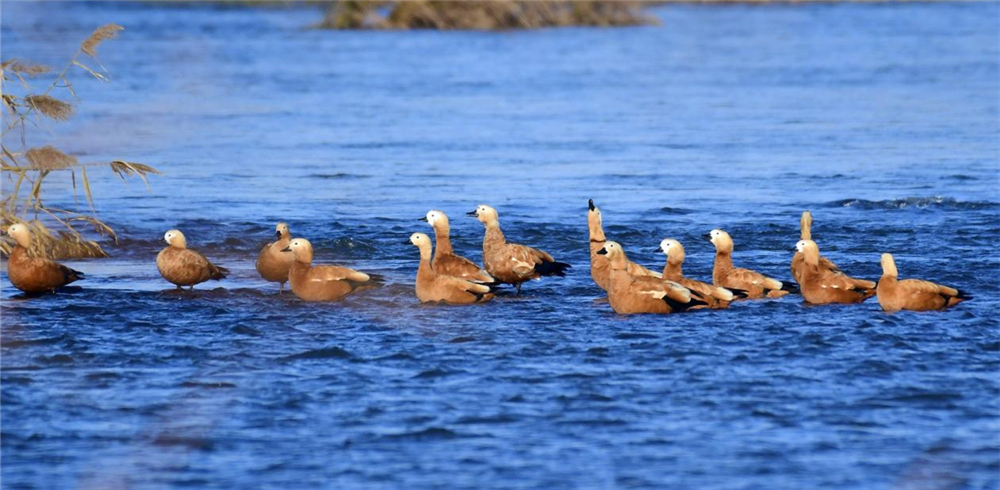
column 492, row 15
column 56, row 231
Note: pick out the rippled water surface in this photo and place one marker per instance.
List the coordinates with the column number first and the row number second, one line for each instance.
column 881, row 119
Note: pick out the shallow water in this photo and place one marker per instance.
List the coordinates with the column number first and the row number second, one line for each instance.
column 881, row 119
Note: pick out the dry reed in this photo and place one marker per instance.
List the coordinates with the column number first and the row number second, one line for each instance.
column 26, row 169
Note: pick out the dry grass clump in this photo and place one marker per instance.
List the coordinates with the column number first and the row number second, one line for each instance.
column 25, row 169
column 490, row 15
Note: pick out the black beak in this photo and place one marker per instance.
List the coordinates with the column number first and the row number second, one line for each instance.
column 277, row 234
column 407, row 243
column 602, row 251
column 474, row 214
column 590, row 202
column 707, row 236
column 657, row 250
column 424, row 219
column 286, row 249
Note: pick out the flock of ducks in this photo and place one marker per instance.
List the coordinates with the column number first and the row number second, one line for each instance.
column 444, row 277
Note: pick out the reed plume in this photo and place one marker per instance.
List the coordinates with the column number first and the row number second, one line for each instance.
column 29, row 167
column 50, row 106
column 105, row 32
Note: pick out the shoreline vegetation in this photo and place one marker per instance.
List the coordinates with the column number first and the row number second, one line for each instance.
column 55, row 230
column 491, row 15
column 484, row 15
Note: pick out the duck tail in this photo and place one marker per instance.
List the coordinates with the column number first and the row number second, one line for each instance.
column 791, row 288
column 677, row 306
column 552, row 269
column 739, row 293
column 72, row 275
column 218, row 272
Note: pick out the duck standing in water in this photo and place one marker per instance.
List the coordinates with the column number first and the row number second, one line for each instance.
column 445, row 261
column 512, row 263
column 34, row 275
column 273, row 264
column 183, row 266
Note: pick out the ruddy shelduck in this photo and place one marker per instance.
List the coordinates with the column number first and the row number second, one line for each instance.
column 183, row 266
column 913, row 294
column 716, row 297
column 434, row 287
column 273, row 264
column 445, row 261
column 321, row 282
column 756, row 285
column 509, row 262
column 820, row 285
column 600, row 268
column 629, row 294
column 805, row 233
column 34, row 275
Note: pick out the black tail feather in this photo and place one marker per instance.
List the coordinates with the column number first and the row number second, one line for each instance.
column 218, row 272
column 71, row 275
column 552, row 268
column 791, row 288
column 739, row 293
column 677, row 306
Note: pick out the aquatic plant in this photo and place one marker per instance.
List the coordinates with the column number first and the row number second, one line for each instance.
column 484, row 14
column 57, row 231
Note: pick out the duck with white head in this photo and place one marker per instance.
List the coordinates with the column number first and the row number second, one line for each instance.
column 35, row 275
column 185, row 267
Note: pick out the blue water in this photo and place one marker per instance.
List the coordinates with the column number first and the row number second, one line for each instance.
column 880, row 118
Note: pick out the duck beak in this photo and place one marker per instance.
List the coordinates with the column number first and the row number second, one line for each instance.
column 474, row 214
column 658, row 250
column 407, row 243
column 424, row 219
column 590, row 203
column 277, row 234
column 707, row 236
column 602, row 251
column 286, row 249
